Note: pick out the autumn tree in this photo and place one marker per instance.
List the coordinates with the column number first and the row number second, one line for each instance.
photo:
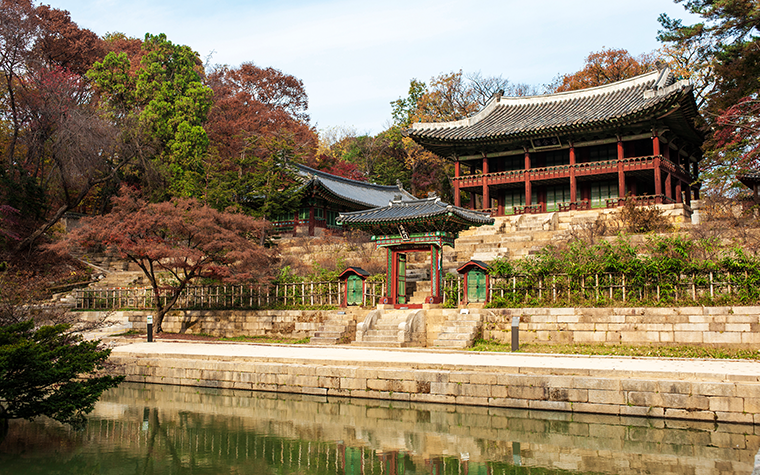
column 604, row 67
column 255, row 111
column 728, row 38
column 178, row 242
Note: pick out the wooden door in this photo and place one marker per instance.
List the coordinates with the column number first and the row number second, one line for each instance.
column 476, row 286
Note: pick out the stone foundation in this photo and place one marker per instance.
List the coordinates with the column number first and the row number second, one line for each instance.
column 705, row 326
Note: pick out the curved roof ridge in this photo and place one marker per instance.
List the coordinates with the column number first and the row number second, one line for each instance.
column 556, row 97
column 323, row 174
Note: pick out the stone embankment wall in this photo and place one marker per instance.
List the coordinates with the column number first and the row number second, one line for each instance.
column 523, row 382
column 713, row 326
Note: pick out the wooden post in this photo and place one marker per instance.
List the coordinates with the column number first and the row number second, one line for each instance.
column 657, row 171
column 486, row 193
column 528, row 191
column 621, row 173
column 457, row 174
column 573, row 183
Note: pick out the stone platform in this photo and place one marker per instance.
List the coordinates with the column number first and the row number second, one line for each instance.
column 707, row 390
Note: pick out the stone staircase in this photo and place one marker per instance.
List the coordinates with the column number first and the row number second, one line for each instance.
column 336, row 330
column 392, row 329
column 460, row 330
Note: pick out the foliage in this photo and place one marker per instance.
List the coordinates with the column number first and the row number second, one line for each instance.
column 259, row 114
column 642, row 219
column 604, row 67
column 579, row 273
column 182, row 238
column 42, row 369
column 622, row 350
column 727, row 41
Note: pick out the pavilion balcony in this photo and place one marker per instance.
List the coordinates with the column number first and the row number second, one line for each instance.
column 584, row 169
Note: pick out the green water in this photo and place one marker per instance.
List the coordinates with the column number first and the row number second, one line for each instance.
column 154, row 429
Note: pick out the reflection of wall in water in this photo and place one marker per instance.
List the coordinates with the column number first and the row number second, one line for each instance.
column 422, row 432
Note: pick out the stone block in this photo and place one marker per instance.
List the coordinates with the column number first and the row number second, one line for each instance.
column 434, row 398
column 596, row 383
column 726, row 404
column 638, row 385
column 527, row 392
column 447, row 389
column 596, row 408
column 508, row 402
column 476, row 390
column 642, row 411
column 714, row 389
column 471, row 400
column 736, row 417
column 722, row 337
column 688, row 337
column 483, row 378
column 596, row 396
column 684, row 401
column 550, row 405
column 353, row 383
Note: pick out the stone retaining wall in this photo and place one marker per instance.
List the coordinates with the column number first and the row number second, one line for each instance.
column 714, row 326
column 704, row 396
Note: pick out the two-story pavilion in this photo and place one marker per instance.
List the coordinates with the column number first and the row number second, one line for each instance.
column 575, row 150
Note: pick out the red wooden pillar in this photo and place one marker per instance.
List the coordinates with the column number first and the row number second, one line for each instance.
column 528, row 190
column 457, row 174
column 500, row 204
column 573, row 183
column 486, row 194
column 621, row 173
column 657, row 165
column 694, row 176
column 679, row 198
column 669, row 185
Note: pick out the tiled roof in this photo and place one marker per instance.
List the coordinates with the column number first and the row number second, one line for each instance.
column 403, row 211
column 365, row 194
column 508, row 118
column 749, row 179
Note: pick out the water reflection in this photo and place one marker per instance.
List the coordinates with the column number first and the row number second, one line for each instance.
column 155, row 429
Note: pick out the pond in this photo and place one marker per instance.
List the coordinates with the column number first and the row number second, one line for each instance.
column 157, row 429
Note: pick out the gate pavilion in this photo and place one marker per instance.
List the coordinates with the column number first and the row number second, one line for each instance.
column 425, row 225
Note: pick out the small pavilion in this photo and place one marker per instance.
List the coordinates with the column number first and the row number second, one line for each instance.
column 401, row 227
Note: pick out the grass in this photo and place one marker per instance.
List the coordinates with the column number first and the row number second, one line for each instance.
column 266, row 339
column 622, row 350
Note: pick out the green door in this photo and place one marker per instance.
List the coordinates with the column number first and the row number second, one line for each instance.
column 476, row 286
column 401, row 279
column 355, row 290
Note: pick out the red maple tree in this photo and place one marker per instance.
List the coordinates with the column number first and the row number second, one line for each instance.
column 177, row 242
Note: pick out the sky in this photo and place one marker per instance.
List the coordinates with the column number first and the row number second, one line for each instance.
column 354, row 58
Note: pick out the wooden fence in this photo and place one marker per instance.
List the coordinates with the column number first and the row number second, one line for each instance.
column 285, row 295
column 706, row 288
column 519, row 290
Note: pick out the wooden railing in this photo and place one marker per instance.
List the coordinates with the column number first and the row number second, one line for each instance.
column 284, row 295
column 612, row 288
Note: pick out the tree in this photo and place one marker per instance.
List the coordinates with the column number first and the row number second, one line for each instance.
column 258, row 114
column 728, row 41
column 177, row 242
column 49, row 371
column 162, row 100
column 604, row 67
